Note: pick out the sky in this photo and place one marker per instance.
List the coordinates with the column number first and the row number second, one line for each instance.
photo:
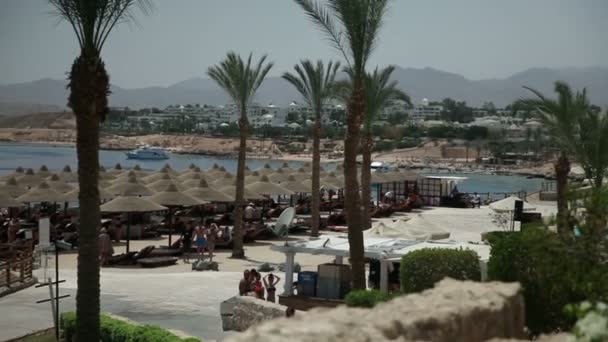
column 180, row 39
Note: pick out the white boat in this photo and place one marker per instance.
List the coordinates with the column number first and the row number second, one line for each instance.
column 146, row 152
column 378, row 166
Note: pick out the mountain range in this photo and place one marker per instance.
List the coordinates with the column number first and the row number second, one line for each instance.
column 418, row 83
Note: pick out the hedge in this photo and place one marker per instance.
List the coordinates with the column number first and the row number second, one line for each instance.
column 114, row 330
column 553, row 272
column 366, row 298
column 421, row 269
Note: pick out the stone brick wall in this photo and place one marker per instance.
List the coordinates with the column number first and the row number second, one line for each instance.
column 452, row 311
column 249, row 311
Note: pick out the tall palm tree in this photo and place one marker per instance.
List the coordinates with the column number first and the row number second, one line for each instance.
column 315, row 84
column 562, row 117
column 89, row 84
column 240, row 80
column 352, row 27
column 380, row 92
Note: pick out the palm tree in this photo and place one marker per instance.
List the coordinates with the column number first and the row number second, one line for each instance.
column 315, row 85
column 352, row 27
column 89, row 84
column 562, row 117
column 240, row 80
column 380, row 92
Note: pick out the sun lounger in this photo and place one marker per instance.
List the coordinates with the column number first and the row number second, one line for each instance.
column 157, row 262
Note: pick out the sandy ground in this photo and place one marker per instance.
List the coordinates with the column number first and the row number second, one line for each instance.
column 178, row 298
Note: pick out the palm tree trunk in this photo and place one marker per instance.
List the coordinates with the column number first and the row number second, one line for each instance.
column 366, row 177
column 316, row 184
column 352, row 200
column 89, row 87
column 237, row 235
column 562, row 169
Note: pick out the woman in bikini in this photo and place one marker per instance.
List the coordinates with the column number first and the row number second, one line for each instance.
column 270, row 283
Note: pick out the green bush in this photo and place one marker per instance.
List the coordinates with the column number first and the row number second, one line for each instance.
column 553, row 272
column 114, row 330
column 421, row 269
column 367, row 298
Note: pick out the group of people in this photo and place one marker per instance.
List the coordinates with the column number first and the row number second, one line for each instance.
column 204, row 237
column 253, row 284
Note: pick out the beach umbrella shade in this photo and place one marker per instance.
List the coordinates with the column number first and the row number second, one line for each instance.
column 188, row 169
column 296, row 186
column 162, row 174
column 57, row 184
column 328, row 186
column 29, row 179
column 163, row 183
column 167, row 168
column 278, row 176
column 214, row 167
column 192, row 182
column 117, row 170
column 252, row 178
column 334, row 180
column 67, row 175
column 72, row 196
column 138, row 171
column 225, row 180
column 285, row 165
column 249, row 194
column 12, row 188
column 130, row 204
column 19, row 171
column 264, row 186
column 265, row 170
column 380, row 177
column 41, row 193
column 191, row 174
column 131, row 188
column 302, row 174
column 6, row 201
column 43, row 172
column 206, row 193
column 103, row 174
column 123, row 178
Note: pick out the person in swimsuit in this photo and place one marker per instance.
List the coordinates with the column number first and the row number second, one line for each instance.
column 258, row 288
column 245, row 283
column 199, row 233
column 270, row 283
column 212, row 232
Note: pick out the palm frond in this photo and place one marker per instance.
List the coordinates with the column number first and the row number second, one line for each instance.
column 314, row 82
column 93, row 21
column 380, row 92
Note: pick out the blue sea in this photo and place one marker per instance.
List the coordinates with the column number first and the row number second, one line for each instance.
column 56, row 157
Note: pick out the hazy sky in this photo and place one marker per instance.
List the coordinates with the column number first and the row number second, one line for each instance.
column 181, row 38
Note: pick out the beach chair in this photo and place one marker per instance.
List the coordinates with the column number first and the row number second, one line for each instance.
column 284, row 222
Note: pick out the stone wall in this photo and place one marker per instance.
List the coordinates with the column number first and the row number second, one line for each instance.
column 452, row 311
column 249, row 311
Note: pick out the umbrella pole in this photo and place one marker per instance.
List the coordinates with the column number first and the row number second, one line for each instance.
column 170, row 226
column 128, row 230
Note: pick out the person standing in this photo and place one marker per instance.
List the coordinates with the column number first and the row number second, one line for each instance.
column 13, row 228
column 199, row 237
column 212, row 235
column 245, row 284
column 187, row 241
column 270, row 283
column 105, row 247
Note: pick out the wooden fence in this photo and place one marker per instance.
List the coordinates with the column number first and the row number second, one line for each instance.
column 16, row 265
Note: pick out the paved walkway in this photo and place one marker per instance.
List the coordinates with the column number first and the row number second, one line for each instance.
column 184, row 301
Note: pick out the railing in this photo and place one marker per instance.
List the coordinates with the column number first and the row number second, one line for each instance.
column 16, row 264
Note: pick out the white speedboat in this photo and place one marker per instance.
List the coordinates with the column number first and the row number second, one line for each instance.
column 149, row 153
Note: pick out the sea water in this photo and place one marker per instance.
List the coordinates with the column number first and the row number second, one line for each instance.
column 56, row 157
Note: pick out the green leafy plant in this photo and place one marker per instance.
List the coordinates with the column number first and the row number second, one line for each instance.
column 114, row 330
column 592, row 321
column 367, row 298
column 421, row 269
column 553, row 272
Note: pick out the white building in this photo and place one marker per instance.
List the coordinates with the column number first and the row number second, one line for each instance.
column 425, row 111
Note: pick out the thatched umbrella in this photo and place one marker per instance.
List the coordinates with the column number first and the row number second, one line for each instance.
column 117, row 170
column 103, row 174
column 213, row 167
column 163, row 183
column 265, row 170
column 43, row 172
column 67, row 175
column 172, row 197
column 296, row 186
column 334, row 180
column 57, row 184
column 12, row 188
column 253, row 177
column 29, row 179
column 41, row 193
column 170, row 170
column 72, row 196
column 264, row 186
column 130, row 204
column 217, row 173
column 225, row 180
column 123, row 178
column 162, row 174
column 328, row 186
column 131, row 188
column 6, row 201
column 192, row 174
column 188, row 169
column 138, row 171
column 206, row 193
column 192, row 182
column 249, row 194
column 302, row 174
column 278, row 176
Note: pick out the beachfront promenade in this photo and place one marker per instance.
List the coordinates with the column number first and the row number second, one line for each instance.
column 176, row 297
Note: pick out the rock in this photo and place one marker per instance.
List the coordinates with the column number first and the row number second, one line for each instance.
column 265, row 267
column 249, row 311
column 202, row 265
column 452, row 311
column 296, row 267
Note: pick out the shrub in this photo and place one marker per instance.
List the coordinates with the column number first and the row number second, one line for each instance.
column 553, row 272
column 114, row 330
column 421, row 269
column 367, row 298
column 592, row 323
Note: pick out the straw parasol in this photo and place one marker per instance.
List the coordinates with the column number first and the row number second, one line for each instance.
column 331, row 178
column 328, row 186
column 193, row 181
column 72, row 196
column 192, row 174
column 103, row 174
column 302, row 174
column 298, row 187
column 249, row 194
column 265, row 170
column 380, row 177
column 158, row 176
column 12, row 188
column 43, row 172
column 29, row 179
column 167, row 168
column 57, row 184
column 130, row 204
column 163, row 183
column 117, row 170
column 188, row 169
column 123, row 178
column 206, row 193
column 41, row 193
column 253, row 177
column 131, row 188
column 138, row 171
column 67, row 175
column 6, row 201
column 264, row 186
column 225, row 180
column 278, row 176
column 19, row 171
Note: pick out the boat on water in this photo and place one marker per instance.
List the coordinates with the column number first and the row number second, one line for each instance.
column 148, row 153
